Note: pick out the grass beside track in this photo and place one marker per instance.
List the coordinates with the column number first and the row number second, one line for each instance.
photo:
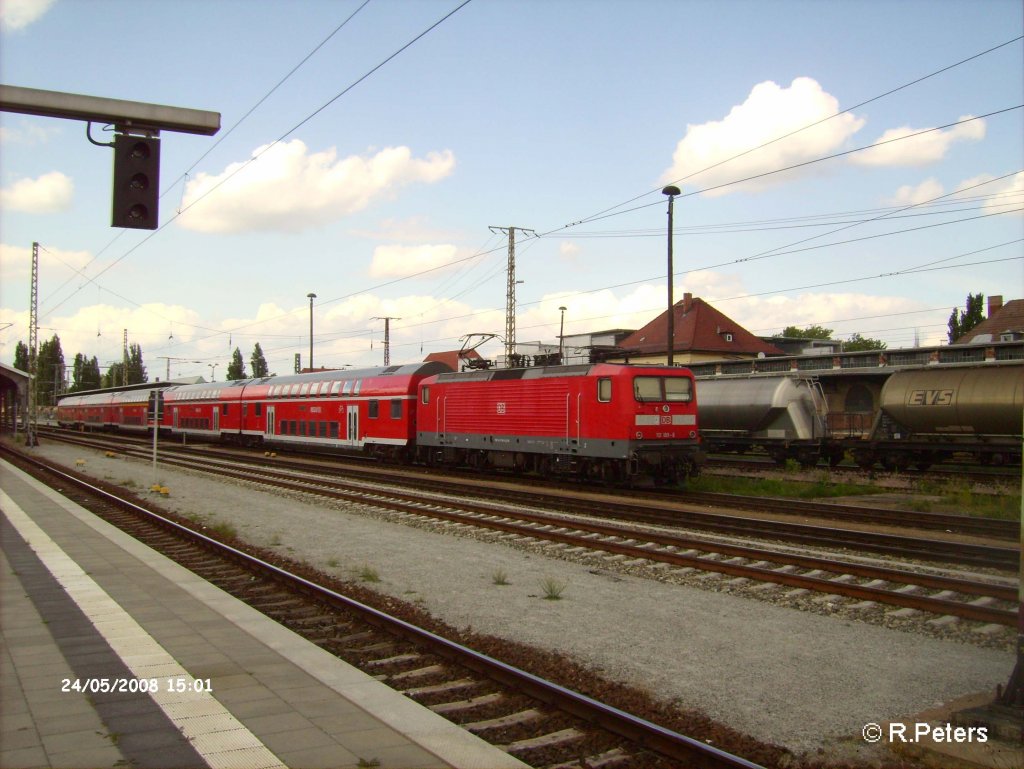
column 952, row 495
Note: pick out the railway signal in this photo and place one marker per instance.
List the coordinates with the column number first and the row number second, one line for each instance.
column 136, row 148
column 136, row 182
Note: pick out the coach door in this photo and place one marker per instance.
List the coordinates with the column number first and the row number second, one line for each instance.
column 352, row 425
column 271, row 425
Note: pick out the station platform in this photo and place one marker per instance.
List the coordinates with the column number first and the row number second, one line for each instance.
column 200, row 679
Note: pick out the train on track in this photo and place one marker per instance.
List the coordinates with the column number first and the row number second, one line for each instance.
column 604, row 421
column 917, row 417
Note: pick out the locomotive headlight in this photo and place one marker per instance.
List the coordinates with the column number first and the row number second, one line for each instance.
column 665, row 408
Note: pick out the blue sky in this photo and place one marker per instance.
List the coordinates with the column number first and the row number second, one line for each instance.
column 533, row 114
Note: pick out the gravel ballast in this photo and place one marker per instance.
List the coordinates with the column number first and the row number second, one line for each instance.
column 801, row 680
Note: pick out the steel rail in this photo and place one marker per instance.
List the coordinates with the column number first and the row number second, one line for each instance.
column 638, row 730
column 415, row 504
column 1001, row 529
column 674, row 515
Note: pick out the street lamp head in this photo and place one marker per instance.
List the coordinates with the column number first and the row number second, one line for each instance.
column 563, row 309
column 311, row 295
column 670, row 190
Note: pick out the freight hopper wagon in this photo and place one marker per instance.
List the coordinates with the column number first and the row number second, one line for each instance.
column 783, row 416
column 931, row 415
column 610, row 422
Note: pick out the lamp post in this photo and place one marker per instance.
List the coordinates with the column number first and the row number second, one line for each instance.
column 561, row 338
column 213, row 371
column 311, row 296
column 671, row 191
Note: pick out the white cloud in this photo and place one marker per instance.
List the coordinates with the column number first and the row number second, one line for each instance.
column 27, row 133
column 415, row 229
column 17, row 261
column 346, row 334
column 400, row 261
column 908, row 195
column 1004, row 195
column 49, row 193
column 920, row 150
column 287, row 188
column 769, row 112
column 568, row 249
column 18, row 14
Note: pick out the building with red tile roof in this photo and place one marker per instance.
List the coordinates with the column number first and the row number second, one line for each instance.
column 1005, row 323
column 456, row 360
column 701, row 333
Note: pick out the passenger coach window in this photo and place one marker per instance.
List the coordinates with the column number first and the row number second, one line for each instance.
column 396, row 408
column 373, row 409
column 604, row 390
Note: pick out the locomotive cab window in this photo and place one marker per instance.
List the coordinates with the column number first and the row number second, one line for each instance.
column 604, row 390
column 654, row 388
column 678, row 389
column 425, row 395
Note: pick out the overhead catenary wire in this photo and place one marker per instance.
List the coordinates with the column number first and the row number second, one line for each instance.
column 736, row 182
column 806, row 127
column 281, row 138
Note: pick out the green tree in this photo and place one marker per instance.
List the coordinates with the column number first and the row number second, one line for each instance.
column 962, row 321
column 85, row 373
column 49, row 371
column 858, row 342
column 258, row 362
column 136, row 370
column 21, row 356
column 236, row 368
column 811, row 332
column 76, row 373
column 114, row 376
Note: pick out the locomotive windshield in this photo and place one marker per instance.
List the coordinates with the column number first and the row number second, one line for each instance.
column 659, row 388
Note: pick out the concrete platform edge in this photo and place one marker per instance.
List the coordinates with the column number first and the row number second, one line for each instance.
column 430, row 731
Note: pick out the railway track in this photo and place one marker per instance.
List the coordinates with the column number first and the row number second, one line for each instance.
column 676, row 508
column 537, row 720
column 987, row 601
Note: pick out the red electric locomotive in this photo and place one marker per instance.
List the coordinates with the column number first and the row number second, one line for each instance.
column 605, row 421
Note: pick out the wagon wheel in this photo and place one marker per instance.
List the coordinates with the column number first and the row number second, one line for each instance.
column 865, row 459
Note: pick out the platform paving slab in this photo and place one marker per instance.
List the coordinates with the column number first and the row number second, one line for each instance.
column 260, row 672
